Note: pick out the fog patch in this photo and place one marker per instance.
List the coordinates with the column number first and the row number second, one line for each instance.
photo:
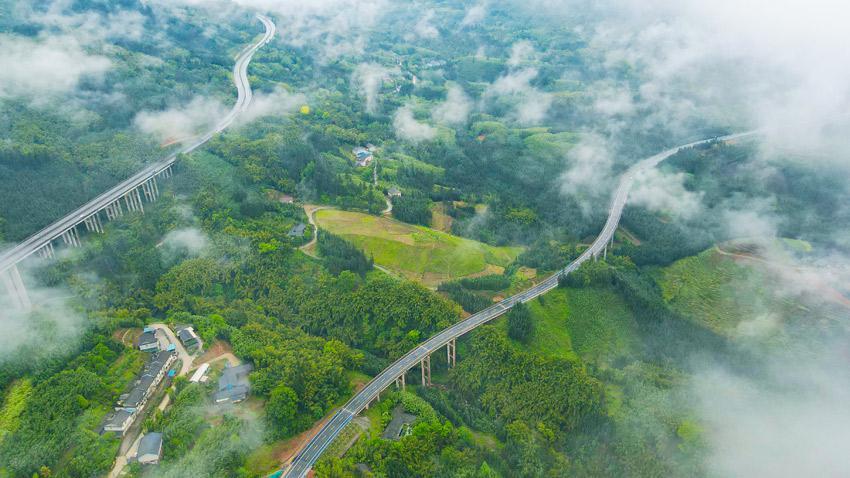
column 474, row 15
column 521, row 52
column 368, row 78
column 424, row 28
column 589, row 174
column 42, row 68
column 530, row 104
column 184, row 242
column 408, row 128
column 279, row 102
column 180, row 123
column 792, row 422
column 666, row 193
column 52, row 327
column 455, row 109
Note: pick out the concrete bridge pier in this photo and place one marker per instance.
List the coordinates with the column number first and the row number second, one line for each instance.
column 15, row 288
column 149, row 190
column 425, row 366
column 47, row 251
column 399, row 382
column 114, row 210
column 451, row 353
column 93, row 223
column 605, row 252
column 71, row 237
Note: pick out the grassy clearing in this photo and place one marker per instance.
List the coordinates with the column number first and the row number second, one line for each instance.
column 715, row 291
column 416, row 252
column 591, row 323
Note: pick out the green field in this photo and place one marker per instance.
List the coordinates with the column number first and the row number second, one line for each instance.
column 416, row 252
column 591, row 323
column 718, row 293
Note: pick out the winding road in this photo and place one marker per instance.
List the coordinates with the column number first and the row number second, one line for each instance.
column 38, row 240
column 308, row 456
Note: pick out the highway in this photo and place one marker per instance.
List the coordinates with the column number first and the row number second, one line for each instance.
column 308, row 455
column 16, row 254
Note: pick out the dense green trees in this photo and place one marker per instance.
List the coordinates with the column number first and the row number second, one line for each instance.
column 560, row 394
column 413, row 207
column 340, row 255
column 520, row 326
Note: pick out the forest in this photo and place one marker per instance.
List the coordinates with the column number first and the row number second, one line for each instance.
column 591, row 379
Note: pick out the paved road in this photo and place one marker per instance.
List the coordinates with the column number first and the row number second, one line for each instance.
column 32, row 244
column 314, row 448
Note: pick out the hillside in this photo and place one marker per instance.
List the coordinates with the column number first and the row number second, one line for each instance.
column 416, row 252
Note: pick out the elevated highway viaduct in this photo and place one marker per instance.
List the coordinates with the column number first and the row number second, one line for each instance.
column 129, row 195
column 421, row 355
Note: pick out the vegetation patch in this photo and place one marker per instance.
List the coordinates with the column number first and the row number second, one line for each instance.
column 714, row 291
column 417, row 252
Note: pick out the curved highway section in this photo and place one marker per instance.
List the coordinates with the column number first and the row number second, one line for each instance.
column 308, row 455
column 35, row 242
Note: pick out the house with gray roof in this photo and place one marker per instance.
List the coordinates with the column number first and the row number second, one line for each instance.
column 150, row 449
column 148, row 341
column 119, row 421
column 233, row 386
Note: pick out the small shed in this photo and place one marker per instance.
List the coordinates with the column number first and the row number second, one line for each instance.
column 150, row 449
column 394, row 192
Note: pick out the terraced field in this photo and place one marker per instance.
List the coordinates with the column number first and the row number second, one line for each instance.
column 416, row 252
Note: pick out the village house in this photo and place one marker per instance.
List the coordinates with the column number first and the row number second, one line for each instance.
column 188, row 336
column 233, row 386
column 148, row 341
column 130, row 403
column 363, row 157
column 150, row 449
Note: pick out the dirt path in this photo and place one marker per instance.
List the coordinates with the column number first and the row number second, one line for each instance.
column 816, row 284
column 311, row 211
column 308, row 248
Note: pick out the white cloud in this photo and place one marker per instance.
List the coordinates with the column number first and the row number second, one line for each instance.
column 666, row 193
column 521, row 52
column 189, row 241
column 793, row 423
column 52, row 327
column 280, row 102
column 38, row 69
column 530, row 104
column 335, row 27
column 182, row 122
column 455, row 110
column 406, row 126
column 424, row 27
column 369, row 77
column 589, row 175
column 475, row 15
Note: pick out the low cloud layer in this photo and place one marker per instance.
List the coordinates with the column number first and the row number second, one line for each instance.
column 408, row 128
column 182, row 122
column 530, row 104
column 588, row 176
column 455, row 109
column 39, row 69
column 794, row 422
column 368, row 78
column 52, row 327
column 475, row 15
column 664, row 193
